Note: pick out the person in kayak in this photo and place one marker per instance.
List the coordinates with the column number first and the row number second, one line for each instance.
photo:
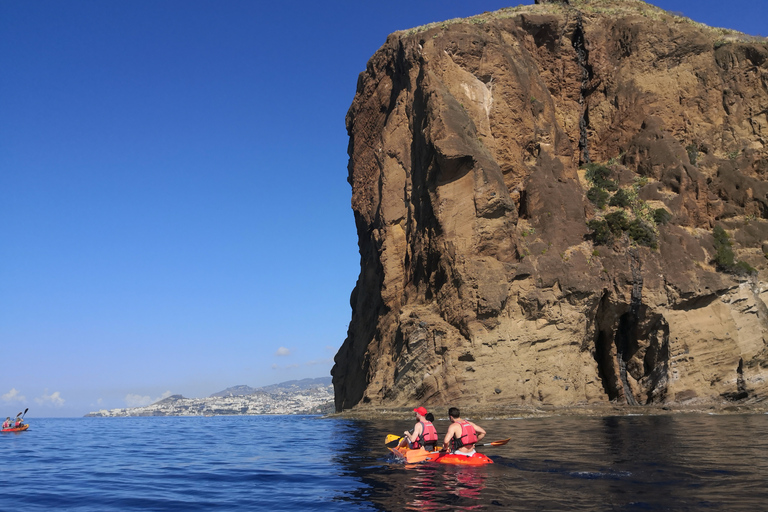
column 462, row 434
column 18, row 423
column 7, row 422
column 424, row 432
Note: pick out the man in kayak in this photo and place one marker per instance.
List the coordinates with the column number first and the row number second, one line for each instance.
column 7, row 423
column 424, row 433
column 462, row 434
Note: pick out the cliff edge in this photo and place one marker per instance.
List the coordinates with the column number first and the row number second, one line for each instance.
column 560, row 204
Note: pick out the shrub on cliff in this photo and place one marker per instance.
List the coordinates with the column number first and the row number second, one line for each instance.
column 693, row 153
column 621, row 199
column 661, row 216
column 642, row 233
column 742, row 267
column 601, row 232
column 598, row 196
column 725, row 261
column 600, row 176
column 724, row 258
column 617, row 222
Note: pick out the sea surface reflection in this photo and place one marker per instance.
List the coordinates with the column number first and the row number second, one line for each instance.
column 291, row 463
column 676, row 462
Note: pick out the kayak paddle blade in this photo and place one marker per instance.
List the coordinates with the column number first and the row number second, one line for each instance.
column 497, row 443
column 392, row 441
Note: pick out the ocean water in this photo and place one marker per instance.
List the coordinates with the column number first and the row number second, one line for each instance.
column 680, row 462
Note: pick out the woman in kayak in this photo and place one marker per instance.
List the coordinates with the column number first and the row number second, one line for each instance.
column 7, row 423
column 424, row 433
column 462, row 434
column 18, row 423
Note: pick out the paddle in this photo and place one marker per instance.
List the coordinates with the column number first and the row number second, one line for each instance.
column 25, row 413
column 496, row 443
column 393, row 440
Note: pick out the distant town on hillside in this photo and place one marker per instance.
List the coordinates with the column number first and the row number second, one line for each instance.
column 306, row 396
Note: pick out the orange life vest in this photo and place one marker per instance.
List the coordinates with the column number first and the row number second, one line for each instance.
column 428, row 435
column 468, row 435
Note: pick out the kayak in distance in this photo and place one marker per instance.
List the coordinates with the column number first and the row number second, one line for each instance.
column 19, row 429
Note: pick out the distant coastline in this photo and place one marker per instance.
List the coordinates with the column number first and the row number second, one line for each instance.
column 307, row 396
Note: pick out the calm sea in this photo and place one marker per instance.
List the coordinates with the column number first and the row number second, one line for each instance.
column 683, row 462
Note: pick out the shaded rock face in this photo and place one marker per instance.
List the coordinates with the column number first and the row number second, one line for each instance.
column 484, row 274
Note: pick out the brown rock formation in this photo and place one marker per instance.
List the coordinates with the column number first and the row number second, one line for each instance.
column 481, row 280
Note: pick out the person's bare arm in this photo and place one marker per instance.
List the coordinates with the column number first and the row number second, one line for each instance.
column 416, row 431
column 448, row 436
column 480, row 431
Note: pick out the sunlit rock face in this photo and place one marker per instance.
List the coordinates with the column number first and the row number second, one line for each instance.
column 562, row 203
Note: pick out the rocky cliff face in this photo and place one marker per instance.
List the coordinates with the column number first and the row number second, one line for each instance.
column 562, row 203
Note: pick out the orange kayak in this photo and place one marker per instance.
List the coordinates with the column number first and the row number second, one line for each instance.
column 422, row 455
column 478, row 459
column 21, row 428
column 411, row 456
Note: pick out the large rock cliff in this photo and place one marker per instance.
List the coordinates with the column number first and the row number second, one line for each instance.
column 562, row 203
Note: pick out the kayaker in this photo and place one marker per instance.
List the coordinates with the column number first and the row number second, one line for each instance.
column 424, row 432
column 462, row 434
column 18, row 423
column 7, row 422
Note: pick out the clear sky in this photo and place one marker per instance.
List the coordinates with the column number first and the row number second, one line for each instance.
column 174, row 210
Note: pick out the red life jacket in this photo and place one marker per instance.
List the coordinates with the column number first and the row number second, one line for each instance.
column 468, row 435
column 428, row 435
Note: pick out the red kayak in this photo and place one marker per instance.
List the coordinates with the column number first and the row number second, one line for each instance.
column 15, row 429
column 421, row 455
column 477, row 459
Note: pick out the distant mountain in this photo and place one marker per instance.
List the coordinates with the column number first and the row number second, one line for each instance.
column 290, row 386
column 170, row 399
column 235, row 391
column 297, row 385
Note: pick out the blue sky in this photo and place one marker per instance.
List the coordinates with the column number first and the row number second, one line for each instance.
column 174, row 211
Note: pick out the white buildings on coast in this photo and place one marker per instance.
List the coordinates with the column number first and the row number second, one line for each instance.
column 278, row 399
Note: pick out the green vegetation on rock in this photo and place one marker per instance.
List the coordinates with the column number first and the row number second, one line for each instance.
column 631, row 215
column 725, row 260
column 693, row 153
column 600, row 176
column 601, row 232
column 661, row 216
column 642, row 233
column 598, row 196
column 621, row 199
column 617, row 222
